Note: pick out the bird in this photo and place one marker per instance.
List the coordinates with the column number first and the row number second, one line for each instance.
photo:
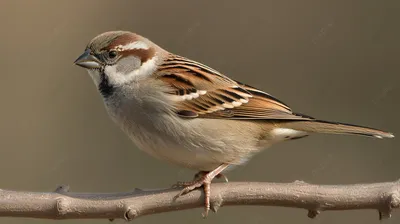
column 186, row 113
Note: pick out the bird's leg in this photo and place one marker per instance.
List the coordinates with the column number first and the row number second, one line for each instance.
column 202, row 173
column 202, row 179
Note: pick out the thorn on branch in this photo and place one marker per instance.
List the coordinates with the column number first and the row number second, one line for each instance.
column 62, row 189
column 393, row 201
column 313, row 213
column 385, row 214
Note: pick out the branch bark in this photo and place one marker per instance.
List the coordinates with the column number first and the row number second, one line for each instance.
column 62, row 204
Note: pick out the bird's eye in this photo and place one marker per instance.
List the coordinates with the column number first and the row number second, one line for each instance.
column 112, row 54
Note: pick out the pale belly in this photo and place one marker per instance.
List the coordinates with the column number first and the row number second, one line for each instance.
column 198, row 144
column 177, row 154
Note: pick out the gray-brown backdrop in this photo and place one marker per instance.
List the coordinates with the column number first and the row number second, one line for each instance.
column 336, row 60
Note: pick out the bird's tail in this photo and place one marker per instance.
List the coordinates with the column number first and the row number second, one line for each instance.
column 319, row 126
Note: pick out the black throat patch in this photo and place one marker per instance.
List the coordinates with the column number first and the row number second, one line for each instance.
column 105, row 88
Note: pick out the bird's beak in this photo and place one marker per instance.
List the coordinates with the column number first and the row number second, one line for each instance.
column 89, row 61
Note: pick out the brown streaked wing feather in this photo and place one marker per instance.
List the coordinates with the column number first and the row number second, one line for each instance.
column 200, row 91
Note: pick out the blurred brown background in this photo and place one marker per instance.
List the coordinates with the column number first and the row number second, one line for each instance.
column 335, row 60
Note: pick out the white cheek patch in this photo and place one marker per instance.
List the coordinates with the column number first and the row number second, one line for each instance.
column 133, row 46
column 120, row 78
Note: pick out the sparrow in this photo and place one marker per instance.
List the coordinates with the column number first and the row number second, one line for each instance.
column 186, row 113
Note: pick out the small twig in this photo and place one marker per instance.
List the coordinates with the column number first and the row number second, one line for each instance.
column 62, row 204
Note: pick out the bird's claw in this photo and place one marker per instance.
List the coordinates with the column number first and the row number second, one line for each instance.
column 202, row 179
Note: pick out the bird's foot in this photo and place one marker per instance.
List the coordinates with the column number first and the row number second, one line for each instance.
column 202, row 179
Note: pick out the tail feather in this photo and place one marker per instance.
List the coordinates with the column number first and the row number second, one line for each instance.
column 320, row 126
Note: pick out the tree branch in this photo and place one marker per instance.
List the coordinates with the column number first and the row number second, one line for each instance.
column 129, row 205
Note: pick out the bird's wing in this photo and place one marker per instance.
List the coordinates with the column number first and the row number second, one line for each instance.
column 202, row 92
